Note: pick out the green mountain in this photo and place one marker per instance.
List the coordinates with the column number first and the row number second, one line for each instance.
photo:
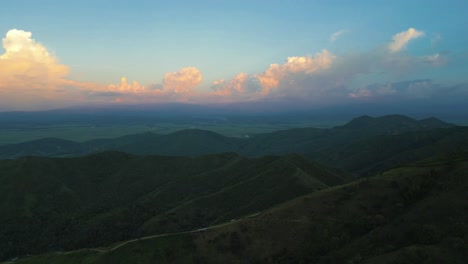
column 310, row 141
column 48, row 147
column 51, row 204
column 189, row 142
column 412, row 214
column 368, row 156
column 193, row 142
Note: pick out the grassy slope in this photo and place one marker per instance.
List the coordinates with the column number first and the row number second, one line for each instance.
column 411, row 214
column 58, row 204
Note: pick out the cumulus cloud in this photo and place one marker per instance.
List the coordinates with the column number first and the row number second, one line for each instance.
column 175, row 86
column 272, row 77
column 336, row 35
column 400, row 40
column 30, row 76
column 241, row 86
column 124, row 86
column 182, row 81
column 30, row 73
column 26, row 64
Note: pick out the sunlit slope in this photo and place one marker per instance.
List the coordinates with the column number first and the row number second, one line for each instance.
column 411, row 214
column 66, row 203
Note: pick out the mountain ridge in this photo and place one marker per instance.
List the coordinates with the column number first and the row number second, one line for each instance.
column 194, row 142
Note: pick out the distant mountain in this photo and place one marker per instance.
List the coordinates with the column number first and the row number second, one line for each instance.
column 379, row 153
column 189, row 142
column 194, row 142
column 313, row 141
column 392, row 124
column 67, row 203
column 49, row 147
column 411, row 214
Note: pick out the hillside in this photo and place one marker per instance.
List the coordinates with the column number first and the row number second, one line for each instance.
column 67, row 203
column 311, row 141
column 189, row 142
column 368, row 156
column 412, row 214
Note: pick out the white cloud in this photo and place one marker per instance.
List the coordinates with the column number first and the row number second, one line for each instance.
column 29, row 73
column 400, row 40
column 182, row 81
column 336, row 35
column 27, row 64
column 273, row 76
column 435, row 60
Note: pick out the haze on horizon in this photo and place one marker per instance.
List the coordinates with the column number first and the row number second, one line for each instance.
column 311, row 53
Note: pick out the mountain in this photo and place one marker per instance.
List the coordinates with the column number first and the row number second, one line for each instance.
column 393, row 124
column 67, row 203
column 374, row 154
column 194, row 142
column 313, row 141
column 412, row 214
column 51, row 147
column 189, row 142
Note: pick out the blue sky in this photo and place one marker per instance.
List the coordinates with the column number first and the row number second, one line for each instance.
column 205, row 45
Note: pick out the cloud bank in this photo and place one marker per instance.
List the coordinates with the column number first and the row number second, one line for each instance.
column 32, row 77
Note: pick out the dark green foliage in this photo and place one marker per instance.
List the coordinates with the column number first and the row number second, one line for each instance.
column 67, row 203
column 338, row 225
column 328, row 145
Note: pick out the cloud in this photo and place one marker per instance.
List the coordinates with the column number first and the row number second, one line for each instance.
column 243, row 86
column 182, row 81
column 435, row 60
column 124, row 86
column 31, row 76
column 336, row 35
column 436, row 38
column 27, row 64
column 419, row 89
column 175, row 87
column 400, row 40
column 276, row 73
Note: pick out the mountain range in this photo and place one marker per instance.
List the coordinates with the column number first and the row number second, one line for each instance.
column 390, row 189
column 412, row 214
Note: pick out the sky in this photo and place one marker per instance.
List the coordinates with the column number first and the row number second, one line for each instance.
column 59, row 54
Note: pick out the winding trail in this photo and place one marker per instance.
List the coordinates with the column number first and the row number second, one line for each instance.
column 168, row 234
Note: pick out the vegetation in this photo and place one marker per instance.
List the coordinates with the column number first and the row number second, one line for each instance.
column 329, row 146
column 411, row 214
column 392, row 190
column 68, row 203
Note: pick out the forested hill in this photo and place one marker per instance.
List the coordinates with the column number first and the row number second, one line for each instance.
column 412, row 214
column 49, row 204
column 193, row 142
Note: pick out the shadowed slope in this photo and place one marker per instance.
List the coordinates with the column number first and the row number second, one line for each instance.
column 412, row 214
column 64, row 203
